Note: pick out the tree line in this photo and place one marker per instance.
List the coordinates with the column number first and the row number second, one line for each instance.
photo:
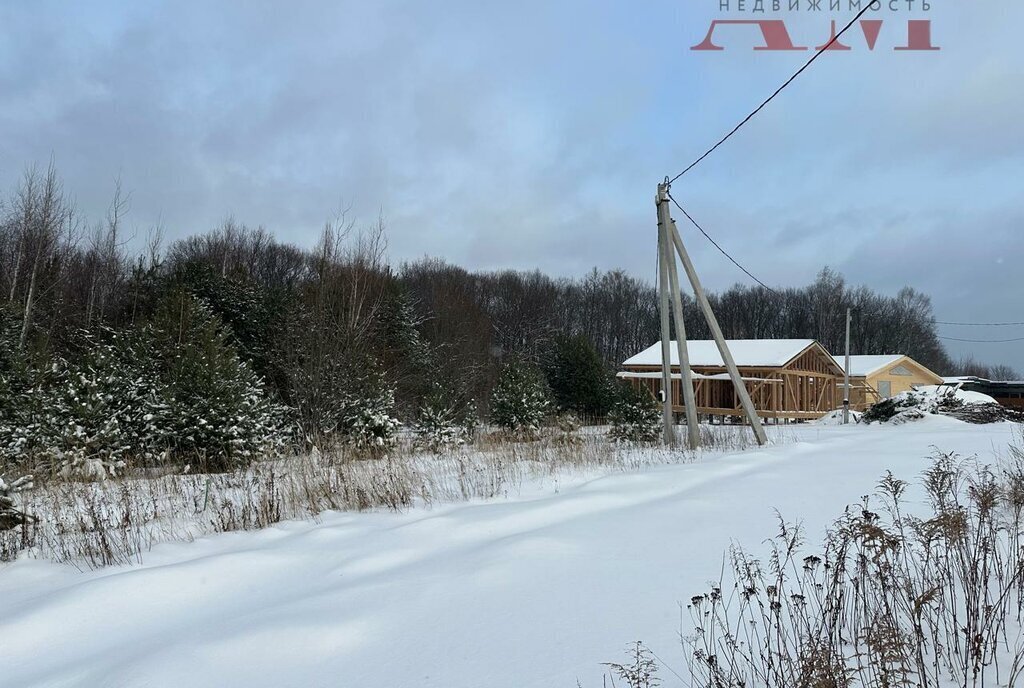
column 230, row 334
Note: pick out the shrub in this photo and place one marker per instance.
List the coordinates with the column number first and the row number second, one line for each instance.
column 10, row 517
column 520, row 401
column 366, row 420
column 635, row 417
column 438, row 428
column 86, row 418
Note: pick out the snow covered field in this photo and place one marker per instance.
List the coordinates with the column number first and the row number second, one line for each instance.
column 535, row 591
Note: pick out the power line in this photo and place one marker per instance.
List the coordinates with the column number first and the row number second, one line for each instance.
column 779, row 90
column 716, row 245
column 990, row 324
column 937, row 322
column 982, row 341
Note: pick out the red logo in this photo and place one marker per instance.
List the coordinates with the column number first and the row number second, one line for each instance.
column 776, row 36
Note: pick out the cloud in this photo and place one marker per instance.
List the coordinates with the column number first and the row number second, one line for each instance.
column 532, row 134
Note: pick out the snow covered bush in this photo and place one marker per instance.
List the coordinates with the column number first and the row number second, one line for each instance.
column 969, row 407
column 438, row 428
column 367, row 422
column 10, row 517
column 520, row 401
column 365, row 414
column 104, row 409
column 14, row 384
column 635, row 417
column 139, row 396
column 445, row 420
column 568, row 429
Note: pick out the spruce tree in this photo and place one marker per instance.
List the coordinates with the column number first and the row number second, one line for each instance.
column 104, row 407
column 366, row 415
column 444, row 422
column 521, row 400
column 635, row 416
column 218, row 408
column 577, row 376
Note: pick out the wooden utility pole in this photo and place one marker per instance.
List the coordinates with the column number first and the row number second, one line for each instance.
column 666, row 343
column 723, row 349
column 846, row 376
column 685, row 373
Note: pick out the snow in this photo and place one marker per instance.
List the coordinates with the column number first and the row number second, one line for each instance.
column 931, row 394
column 862, row 366
column 532, row 592
column 631, row 375
column 836, row 418
column 768, row 353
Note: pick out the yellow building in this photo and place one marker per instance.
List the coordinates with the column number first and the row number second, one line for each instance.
column 873, row 378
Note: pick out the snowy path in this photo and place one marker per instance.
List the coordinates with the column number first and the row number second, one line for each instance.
column 533, row 593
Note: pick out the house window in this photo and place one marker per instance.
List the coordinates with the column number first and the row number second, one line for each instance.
column 884, row 389
column 901, row 370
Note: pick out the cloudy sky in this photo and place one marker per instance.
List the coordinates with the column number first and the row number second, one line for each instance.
column 531, row 134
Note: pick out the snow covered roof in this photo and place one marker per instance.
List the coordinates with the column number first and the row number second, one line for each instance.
column 971, row 379
column 696, row 376
column 768, row 353
column 862, row 366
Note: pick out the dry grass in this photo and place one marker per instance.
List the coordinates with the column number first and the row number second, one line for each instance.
column 890, row 600
column 94, row 524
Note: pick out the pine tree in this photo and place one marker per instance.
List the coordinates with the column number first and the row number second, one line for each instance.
column 104, row 408
column 10, row 516
column 218, row 408
column 15, row 392
column 443, row 422
column 577, row 376
column 404, row 353
column 87, row 413
column 520, row 401
column 366, row 415
column 635, row 417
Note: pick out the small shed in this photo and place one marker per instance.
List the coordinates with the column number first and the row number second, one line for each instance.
column 877, row 377
column 787, row 378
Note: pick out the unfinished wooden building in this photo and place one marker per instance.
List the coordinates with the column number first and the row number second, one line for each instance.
column 794, row 379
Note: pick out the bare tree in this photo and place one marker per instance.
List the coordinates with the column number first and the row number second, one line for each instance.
column 47, row 231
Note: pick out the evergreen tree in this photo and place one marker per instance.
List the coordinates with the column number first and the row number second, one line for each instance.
column 104, row 407
column 577, row 377
column 258, row 321
column 635, row 416
column 366, row 416
column 443, row 421
column 405, row 355
column 86, row 414
column 218, row 407
column 521, row 399
column 14, row 390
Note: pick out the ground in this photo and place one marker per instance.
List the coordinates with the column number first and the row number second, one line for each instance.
column 531, row 592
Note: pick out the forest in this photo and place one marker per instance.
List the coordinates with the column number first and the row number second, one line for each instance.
column 232, row 344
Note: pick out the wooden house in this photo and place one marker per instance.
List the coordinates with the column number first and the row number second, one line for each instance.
column 873, row 378
column 787, row 378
